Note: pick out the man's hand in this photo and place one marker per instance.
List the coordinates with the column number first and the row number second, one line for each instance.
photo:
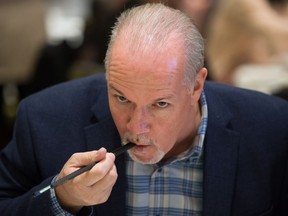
column 90, row 188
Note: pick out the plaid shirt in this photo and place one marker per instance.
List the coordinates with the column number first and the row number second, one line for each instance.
column 174, row 188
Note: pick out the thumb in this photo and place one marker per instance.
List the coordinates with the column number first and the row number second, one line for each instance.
column 86, row 158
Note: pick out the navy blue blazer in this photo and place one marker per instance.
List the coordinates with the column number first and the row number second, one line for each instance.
column 245, row 170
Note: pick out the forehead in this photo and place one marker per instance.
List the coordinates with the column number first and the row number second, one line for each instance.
column 147, row 67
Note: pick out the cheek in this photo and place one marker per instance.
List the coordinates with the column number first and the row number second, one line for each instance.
column 119, row 120
column 171, row 128
column 166, row 135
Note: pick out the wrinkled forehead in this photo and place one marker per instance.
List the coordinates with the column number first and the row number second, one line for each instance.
column 145, row 49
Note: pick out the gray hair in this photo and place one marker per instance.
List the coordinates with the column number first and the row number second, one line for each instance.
column 151, row 26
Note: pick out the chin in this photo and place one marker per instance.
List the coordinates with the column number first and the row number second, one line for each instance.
column 147, row 160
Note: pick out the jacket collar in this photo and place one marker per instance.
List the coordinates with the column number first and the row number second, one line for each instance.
column 103, row 132
column 220, row 152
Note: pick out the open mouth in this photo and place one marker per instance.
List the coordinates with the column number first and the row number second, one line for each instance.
column 140, row 147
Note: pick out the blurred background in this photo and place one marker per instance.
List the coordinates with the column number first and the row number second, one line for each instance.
column 45, row 42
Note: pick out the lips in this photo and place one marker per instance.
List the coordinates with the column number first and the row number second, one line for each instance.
column 139, row 147
column 141, row 143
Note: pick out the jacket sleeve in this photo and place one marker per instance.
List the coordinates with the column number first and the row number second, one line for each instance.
column 20, row 175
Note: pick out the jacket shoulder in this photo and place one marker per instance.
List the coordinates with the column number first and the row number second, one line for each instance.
column 67, row 97
column 246, row 106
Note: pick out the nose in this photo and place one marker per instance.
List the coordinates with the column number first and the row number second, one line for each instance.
column 138, row 121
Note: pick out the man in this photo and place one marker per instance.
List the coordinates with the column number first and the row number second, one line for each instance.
column 201, row 149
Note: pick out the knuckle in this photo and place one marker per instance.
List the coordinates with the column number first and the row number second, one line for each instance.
column 74, row 155
column 87, row 200
column 104, row 199
column 114, row 176
column 100, row 171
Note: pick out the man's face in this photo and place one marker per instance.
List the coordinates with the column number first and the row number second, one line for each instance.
column 150, row 104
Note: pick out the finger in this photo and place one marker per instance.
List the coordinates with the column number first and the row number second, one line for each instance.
column 78, row 160
column 86, row 158
column 100, row 192
column 99, row 171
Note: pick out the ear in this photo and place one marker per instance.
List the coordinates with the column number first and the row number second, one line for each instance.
column 198, row 85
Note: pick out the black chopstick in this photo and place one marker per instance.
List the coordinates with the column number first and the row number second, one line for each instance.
column 72, row 175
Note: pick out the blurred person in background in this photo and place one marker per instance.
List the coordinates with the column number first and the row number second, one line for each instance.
column 198, row 10
column 247, row 46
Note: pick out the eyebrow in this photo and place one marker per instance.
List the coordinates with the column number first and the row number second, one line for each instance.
column 168, row 96
column 113, row 88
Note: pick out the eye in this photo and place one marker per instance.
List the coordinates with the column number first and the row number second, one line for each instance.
column 162, row 104
column 121, row 99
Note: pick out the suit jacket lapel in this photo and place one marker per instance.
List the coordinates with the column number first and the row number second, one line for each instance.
column 220, row 152
column 104, row 133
